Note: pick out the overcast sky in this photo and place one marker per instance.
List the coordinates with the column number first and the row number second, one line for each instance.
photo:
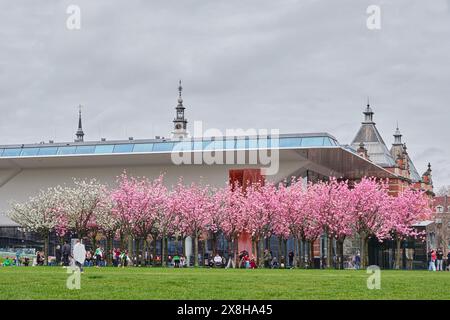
column 296, row 65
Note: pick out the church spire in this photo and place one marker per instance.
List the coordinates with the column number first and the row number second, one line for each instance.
column 180, row 123
column 79, row 134
column 368, row 113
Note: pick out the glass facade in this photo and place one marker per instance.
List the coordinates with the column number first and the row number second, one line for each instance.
column 169, row 146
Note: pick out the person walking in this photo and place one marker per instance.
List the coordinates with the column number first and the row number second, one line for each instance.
column 58, row 255
column 267, row 257
column 432, row 260
column 357, row 261
column 98, row 256
column 79, row 254
column 176, row 260
column 18, row 254
column 291, row 259
column 439, row 259
column 66, row 253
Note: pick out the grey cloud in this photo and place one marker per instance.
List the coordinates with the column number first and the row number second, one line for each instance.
column 300, row 66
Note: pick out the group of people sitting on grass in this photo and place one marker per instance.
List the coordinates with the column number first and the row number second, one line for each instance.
column 17, row 260
column 269, row 261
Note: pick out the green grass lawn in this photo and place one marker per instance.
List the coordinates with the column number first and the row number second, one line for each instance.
column 160, row 283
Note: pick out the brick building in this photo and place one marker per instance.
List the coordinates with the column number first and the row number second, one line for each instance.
column 442, row 210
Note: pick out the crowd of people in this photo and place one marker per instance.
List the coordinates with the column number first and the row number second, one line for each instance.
column 65, row 256
column 436, row 260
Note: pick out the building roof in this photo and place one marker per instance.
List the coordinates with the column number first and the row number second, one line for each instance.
column 167, row 145
column 373, row 142
column 424, row 223
column 414, row 174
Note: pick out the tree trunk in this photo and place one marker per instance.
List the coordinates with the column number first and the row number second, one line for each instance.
column 205, row 247
column 214, row 243
column 155, row 241
column 280, row 253
column 122, row 241
column 176, row 245
column 109, row 240
column 311, row 254
column 196, row 262
column 260, row 252
column 234, row 247
column 94, row 242
column 163, row 249
column 364, row 253
column 166, row 245
column 46, row 247
column 144, row 252
column 138, row 248
column 130, row 246
column 299, row 254
column 329, row 252
column 398, row 253
column 340, row 253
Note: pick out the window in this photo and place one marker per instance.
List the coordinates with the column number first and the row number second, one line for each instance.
column 198, row 145
column 143, row 147
column 48, row 151
column 264, row 143
column 183, row 146
column 253, row 143
column 208, row 145
column 106, row 148
column 290, row 142
column 85, row 149
column 214, row 145
column 440, row 209
column 12, row 152
column 229, row 144
column 163, row 146
column 241, row 143
column 123, row 148
column 1, row 151
column 66, row 150
column 29, row 152
column 312, row 142
column 327, row 142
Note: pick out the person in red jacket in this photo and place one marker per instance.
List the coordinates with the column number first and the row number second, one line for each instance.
column 253, row 263
column 432, row 259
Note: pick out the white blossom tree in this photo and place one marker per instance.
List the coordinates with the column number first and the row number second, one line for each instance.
column 79, row 203
column 107, row 222
column 40, row 214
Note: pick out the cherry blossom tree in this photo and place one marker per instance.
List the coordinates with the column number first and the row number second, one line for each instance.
column 138, row 202
column 261, row 205
column 231, row 206
column 216, row 217
column 407, row 208
column 370, row 212
column 288, row 221
column 40, row 214
column 332, row 203
column 194, row 208
column 107, row 222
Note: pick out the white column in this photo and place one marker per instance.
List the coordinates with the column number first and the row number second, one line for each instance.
column 188, row 249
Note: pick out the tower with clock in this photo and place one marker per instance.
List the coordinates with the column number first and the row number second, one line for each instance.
column 180, row 123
